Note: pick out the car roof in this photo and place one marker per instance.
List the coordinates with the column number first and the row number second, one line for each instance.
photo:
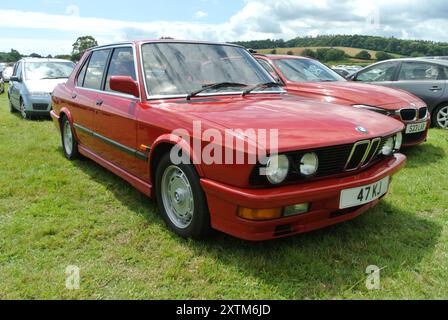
column 140, row 42
column 436, row 61
column 281, row 56
column 43, row 60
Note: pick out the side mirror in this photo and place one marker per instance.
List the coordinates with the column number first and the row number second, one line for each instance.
column 15, row 79
column 125, row 85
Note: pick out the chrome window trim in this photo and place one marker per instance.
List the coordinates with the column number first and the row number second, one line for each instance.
column 113, row 93
column 177, row 96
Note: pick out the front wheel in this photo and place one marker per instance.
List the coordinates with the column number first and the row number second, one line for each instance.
column 181, row 200
column 23, row 111
column 440, row 117
column 69, row 143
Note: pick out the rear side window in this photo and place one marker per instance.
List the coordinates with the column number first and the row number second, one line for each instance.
column 382, row 72
column 121, row 64
column 419, row 71
column 82, row 74
column 95, row 70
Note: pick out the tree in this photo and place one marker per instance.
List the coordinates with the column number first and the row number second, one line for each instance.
column 14, row 56
column 381, row 56
column 290, row 53
column 81, row 45
column 363, row 55
column 63, row 56
column 309, row 53
column 273, row 51
column 35, row 55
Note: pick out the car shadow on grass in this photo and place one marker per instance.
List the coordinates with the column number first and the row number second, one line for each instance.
column 331, row 260
column 317, row 264
column 424, row 155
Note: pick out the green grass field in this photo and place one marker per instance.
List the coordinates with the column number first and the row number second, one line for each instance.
column 55, row 213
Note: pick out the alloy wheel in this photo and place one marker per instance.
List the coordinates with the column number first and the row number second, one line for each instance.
column 442, row 117
column 177, row 197
column 68, row 138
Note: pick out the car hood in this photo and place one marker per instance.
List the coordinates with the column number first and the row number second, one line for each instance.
column 301, row 123
column 350, row 93
column 46, row 85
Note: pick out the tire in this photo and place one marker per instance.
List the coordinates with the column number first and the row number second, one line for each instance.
column 69, row 143
column 440, row 117
column 23, row 112
column 11, row 107
column 181, row 200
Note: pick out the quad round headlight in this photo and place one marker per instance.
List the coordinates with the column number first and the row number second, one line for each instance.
column 277, row 169
column 388, row 147
column 309, row 164
column 398, row 141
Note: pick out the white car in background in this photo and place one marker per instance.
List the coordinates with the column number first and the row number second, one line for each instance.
column 7, row 73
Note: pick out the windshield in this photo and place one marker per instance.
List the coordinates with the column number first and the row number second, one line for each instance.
column 304, row 70
column 48, row 70
column 178, row 69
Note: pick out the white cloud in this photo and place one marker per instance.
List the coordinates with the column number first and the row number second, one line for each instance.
column 258, row 19
column 72, row 10
column 200, row 14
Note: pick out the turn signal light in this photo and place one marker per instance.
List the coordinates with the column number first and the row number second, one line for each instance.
column 260, row 214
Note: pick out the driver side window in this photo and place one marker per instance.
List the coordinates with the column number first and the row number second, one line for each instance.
column 382, row 72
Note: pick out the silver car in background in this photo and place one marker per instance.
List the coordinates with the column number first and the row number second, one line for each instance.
column 32, row 83
column 425, row 78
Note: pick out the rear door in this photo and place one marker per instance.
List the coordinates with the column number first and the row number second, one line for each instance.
column 115, row 120
column 382, row 74
column 85, row 95
column 425, row 80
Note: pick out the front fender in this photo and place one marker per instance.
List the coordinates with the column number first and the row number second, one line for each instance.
column 186, row 147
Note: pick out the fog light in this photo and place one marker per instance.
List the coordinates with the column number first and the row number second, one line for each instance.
column 296, row 209
column 260, row 214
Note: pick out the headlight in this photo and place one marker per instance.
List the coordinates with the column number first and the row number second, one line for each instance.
column 277, row 169
column 398, row 141
column 388, row 147
column 309, row 164
column 372, row 108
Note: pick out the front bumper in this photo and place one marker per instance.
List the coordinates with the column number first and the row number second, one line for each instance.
column 413, row 139
column 37, row 105
column 324, row 196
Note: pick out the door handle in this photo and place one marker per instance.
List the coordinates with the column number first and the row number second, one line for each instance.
column 99, row 102
column 435, row 88
column 74, row 95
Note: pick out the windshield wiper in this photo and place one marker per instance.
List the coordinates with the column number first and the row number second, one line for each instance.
column 261, row 85
column 215, row 86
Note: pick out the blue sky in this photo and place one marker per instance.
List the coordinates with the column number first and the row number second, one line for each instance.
column 51, row 26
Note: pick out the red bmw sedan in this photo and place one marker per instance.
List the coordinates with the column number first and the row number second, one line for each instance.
column 204, row 129
column 309, row 78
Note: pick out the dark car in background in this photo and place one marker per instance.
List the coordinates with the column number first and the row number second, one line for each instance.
column 425, row 78
column 2, row 83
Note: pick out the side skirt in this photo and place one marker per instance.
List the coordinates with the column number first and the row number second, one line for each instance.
column 137, row 183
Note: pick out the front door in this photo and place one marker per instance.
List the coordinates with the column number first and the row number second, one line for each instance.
column 423, row 79
column 115, row 120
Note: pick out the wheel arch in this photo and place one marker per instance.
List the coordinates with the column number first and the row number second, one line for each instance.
column 164, row 145
column 64, row 112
